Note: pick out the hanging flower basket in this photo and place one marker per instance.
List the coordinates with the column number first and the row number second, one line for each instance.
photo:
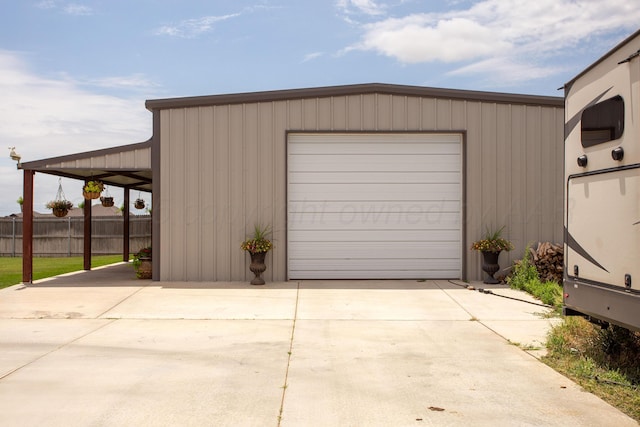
column 60, row 206
column 139, row 204
column 92, row 190
column 106, row 200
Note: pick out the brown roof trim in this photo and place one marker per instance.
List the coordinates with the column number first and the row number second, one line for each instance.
column 357, row 89
column 42, row 164
column 605, row 56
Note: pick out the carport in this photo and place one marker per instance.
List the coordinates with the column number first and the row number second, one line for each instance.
column 128, row 167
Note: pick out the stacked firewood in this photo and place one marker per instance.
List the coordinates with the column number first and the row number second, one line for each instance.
column 548, row 259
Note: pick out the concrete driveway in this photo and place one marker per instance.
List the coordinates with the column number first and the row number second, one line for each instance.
column 100, row 348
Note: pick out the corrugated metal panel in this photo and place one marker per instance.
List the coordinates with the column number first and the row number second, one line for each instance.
column 512, row 177
column 127, row 160
column 379, row 184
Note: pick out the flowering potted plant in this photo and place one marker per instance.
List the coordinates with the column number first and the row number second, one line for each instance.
column 92, row 190
column 491, row 244
column 60, row 207
column 258, row 246
column 142, row 263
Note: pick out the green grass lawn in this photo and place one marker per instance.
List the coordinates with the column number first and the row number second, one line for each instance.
column 11, row 268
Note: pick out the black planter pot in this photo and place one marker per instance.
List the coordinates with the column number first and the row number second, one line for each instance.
column 257, row 267
column 490, row 266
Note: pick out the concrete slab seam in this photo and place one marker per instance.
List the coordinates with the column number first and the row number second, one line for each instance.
column 120, row 302
column 286, row 374
column 61, row 346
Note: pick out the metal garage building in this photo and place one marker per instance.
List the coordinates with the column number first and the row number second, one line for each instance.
column 359, row 181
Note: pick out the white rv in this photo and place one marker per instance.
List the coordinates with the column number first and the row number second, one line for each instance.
column 602, row 193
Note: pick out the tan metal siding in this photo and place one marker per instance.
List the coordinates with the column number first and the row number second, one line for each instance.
column 224, row 169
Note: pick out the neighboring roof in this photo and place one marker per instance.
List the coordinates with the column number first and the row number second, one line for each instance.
column 605, row 56
column 96, row 210
column 126, row 166
column 359, row 89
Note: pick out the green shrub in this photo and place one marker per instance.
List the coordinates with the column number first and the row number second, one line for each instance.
column 525, row 277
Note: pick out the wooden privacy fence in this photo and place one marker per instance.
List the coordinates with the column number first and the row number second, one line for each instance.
column 64, row 236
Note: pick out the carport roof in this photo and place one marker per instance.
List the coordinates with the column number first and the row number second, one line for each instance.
column 127, row 166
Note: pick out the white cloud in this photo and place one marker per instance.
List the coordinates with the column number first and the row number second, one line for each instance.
column 312, row 56
column 367, row 7
column 190, row 28
column 44, row 117
column 78, row 9
column 510, row 33
column 68, row 8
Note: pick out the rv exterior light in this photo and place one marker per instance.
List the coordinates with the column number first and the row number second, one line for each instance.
column 617, row 153
column 582, row 161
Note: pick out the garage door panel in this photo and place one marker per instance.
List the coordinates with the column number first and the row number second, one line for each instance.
column 399, row 236
column 368, row 274
column 385, row 221
column 319, row 207
column 384, row 192
column 426, row 177
column 374, row 206
column 380, row 148
column 382, row 264
column 373, row 250
column 373, row 163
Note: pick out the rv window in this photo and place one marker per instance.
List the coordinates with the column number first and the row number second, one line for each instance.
column 603, row 122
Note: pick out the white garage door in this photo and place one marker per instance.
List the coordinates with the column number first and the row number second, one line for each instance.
column 374, row 206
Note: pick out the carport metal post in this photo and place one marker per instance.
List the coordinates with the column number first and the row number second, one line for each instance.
column 27, row 227
column 87, row 232
column 125, row 226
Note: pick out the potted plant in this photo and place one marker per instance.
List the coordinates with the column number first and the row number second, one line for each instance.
column 258, row 246
column 142, row 263
column 491, row 244
column 92, row 190
column 60, row 208
column 139, row 203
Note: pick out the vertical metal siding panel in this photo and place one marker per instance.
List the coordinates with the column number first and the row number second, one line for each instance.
column 369, row 112
column 504, row 171
column 237, row 187
column 252, row 152
column 558, row 158
column 340, row 113
column 354, row 112
column 535, row 206
column 192, row 193
column 265, row 175
column 294, row 114
column 384, row 112
column 428, row 114
column 206, row 196
column 518, row 179
column 177, row 200
column 551, row 180
column 489, row 171
column 221, row 183
column 279, row 253
column 458, row 115
column 474, row 214
column 324, row 114
column 414, row 113
column 166, row 250
column 399, row 113
column 310, row 114
column 443, row 114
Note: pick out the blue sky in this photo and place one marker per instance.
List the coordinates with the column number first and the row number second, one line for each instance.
column 74, row 75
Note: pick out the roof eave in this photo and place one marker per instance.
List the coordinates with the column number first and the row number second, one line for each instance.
column 346, row 90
